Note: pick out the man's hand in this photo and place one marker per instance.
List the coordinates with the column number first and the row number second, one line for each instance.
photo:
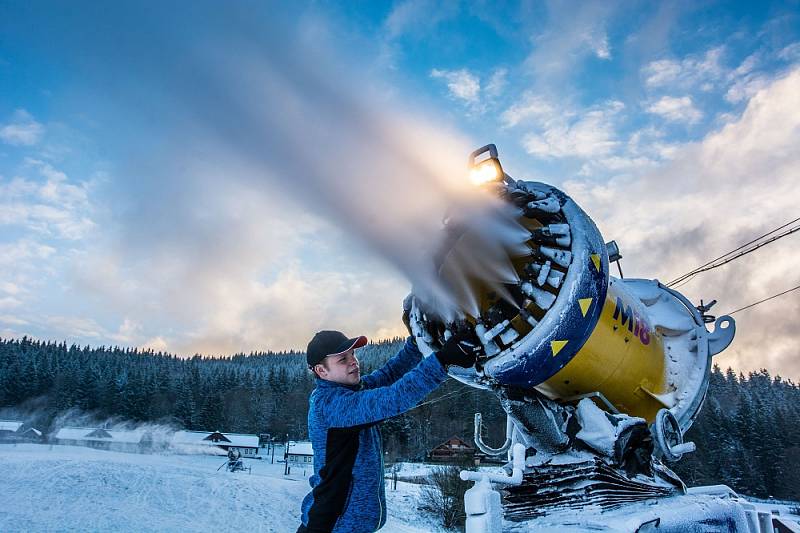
column 407, row 313
column 461, row 349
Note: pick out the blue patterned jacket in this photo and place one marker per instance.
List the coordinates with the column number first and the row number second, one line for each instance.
column 347, row 488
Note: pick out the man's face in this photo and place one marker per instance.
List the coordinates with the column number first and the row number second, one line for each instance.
column 342, row 368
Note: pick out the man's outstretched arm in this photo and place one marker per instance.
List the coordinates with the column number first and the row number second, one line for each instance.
column 407, row 358
column 347, row 408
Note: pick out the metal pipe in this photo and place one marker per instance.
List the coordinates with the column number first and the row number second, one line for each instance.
column 516, row 473
column 486, row 449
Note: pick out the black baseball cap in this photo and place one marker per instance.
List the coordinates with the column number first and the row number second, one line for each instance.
column 327, row 343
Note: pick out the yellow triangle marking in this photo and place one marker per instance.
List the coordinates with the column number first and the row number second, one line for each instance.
column 557, row 346
column 585, row 303
column 596, row 261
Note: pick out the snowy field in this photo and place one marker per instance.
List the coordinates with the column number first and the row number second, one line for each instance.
column 68, row 488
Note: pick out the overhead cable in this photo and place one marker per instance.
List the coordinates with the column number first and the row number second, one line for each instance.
column 745, row 244
column 764, row 300
column 717, row 263
column 444, row 397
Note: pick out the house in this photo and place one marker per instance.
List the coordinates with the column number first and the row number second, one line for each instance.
column 8, row 429
column 120, row 440
column 215, row 442
column 16, row 431
column 453, row 449
column 30, row 435
column 300, row 454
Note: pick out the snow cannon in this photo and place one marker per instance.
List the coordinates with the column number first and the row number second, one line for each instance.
column 568, row 329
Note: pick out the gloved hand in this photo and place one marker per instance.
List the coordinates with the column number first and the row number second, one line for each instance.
column 407, row 313
column 461, row 349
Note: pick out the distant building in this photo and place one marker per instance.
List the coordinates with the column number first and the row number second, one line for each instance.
column 453, row 449
column 120, row 440
column 146, row 440
column 193, row 441
column 16, row 431
column 9, row 428
column 31, row 435
column 300, row 454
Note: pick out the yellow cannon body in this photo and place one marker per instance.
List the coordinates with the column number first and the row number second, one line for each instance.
column 634, row 345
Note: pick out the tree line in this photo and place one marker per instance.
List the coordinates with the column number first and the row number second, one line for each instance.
column 747, row 434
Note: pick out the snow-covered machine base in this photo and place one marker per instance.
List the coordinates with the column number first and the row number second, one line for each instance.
column 677, row 514
column 556, row 487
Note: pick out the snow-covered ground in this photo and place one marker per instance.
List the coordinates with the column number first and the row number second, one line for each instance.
column 69, row 488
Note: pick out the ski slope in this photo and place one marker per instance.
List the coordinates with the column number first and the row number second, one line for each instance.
column 68, row 488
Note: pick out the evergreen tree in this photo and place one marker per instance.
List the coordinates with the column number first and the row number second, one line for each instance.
column 747, row 433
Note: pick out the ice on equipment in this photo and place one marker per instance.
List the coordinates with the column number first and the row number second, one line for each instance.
column 600, row 376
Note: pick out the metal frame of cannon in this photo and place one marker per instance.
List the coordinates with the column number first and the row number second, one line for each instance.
column 600, row 377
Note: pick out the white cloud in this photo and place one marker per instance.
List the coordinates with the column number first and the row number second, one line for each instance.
column 9, row 288
column 277, row 315
column 649, row 142
column 560, row 132
column 55, row 207
column 127, row 333
column 530, row 107
column 12, row 320
column 22, row 251
column 462, row 84
column 790, row 53
column 692, row 72
column 706, row 73
column 676, row 109
column 9, row 302
column 415, row 16
column 497, row 82
column 601, row 47
column 74, row 327
column 21, row 130
column 157, row 344
column 738, row 182
column 746, row 86
column 644, row 150
column 745, row 80
column 50, row 217
column 572, row 35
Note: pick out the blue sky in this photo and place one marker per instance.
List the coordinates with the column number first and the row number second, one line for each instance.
column 210, row 179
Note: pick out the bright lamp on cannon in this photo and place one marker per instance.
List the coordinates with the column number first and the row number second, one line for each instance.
column 485, row 169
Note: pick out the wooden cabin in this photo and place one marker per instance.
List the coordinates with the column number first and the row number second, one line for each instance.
column 453, row 450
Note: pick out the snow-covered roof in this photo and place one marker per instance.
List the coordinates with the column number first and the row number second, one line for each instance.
column 238, row 439
column 460, row 443
column 10, row 425
column 133, row 436
column 202, row 438
column 301, row 448
column 67, row 433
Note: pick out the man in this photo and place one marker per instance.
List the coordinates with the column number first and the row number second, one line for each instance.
column 347, row 488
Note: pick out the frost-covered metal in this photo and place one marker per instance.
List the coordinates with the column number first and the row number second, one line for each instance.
column 600, row 376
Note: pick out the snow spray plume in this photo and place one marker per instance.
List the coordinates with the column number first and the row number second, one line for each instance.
column 158, row 433
column 281, row 100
